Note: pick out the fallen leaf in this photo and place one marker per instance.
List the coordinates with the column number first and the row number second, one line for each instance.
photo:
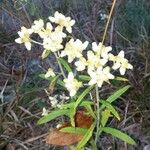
column 57, row 137
column 83, row 120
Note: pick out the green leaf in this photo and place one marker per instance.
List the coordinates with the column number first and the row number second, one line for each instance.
column 114, row 96
column 84, row 78
column 65, row 64
column 110, row 108
column 53, row 82
column 86, row 137
column 86, row 103
column 52, row 115
column 119, row 134
column 117, row 94
column 61, row 83
column 121, row 79
column 80, row 98
column 90, row 110
column 68, row 105
column 71, row 105
column 104, row 117
column 75, row 130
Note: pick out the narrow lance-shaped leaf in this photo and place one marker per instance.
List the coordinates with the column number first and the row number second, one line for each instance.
column 121, row 79
column 90, row 110
column 86, row 137
column 117, row 94
column 119, row 134
column 80, row 98
column 75, row 130
column 65, row 64
column 104, row 117
column 111, row 99
column 70, row 105
column 110, row 108
column 52, row 115
column 84, row 77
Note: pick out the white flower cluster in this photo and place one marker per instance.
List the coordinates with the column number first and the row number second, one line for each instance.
column 94, row 61
column 52, row 37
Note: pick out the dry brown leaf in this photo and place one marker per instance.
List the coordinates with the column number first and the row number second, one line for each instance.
column 57, row 137
column 63, row 139
column 83, row 120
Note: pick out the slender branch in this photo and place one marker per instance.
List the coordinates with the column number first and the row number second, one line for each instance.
column 108, row 21
column 60, row 66
column 96, row 87
column 98, row 114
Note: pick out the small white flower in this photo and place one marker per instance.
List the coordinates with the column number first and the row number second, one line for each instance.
column 25, row 37
column 72, row 84
column 49, row 73
column 38, row 26
column 100, row 75
column 46, row 33
column 120, row 62
column 101, row 49
column 53, row 100
column 45, row 112
column 54, row 41
column 103, row 16
column 62, row 21
column 64, row 97
column 81, row 64
column 73, row 49
column 94, row 61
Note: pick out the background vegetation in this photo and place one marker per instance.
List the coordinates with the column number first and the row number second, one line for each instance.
column 22, row 90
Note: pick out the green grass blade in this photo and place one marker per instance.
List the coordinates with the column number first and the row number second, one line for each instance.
column 119, row 134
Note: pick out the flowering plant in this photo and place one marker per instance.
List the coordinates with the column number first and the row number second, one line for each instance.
column 93, row 66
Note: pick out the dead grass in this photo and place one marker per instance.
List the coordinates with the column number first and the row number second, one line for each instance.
column 21, row 98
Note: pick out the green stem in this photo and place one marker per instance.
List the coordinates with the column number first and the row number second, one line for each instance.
column 60, row 66
column 98, row 114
